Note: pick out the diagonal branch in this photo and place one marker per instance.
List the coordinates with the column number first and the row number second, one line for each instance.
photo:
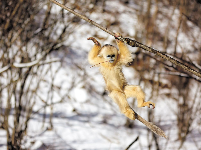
column 135, row 43
column 132, row 43
column 132, row 143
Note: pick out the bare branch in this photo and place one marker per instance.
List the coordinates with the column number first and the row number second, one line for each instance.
column 4, row 69
column 132, row 43
column 132, row 143
column 35, row 62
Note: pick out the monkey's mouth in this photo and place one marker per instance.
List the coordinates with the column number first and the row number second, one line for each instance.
column 111, row 61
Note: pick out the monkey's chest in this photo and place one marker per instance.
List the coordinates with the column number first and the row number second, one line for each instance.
column 114, row 79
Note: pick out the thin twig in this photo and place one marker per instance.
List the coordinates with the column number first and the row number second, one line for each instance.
column 29, row 64
column 35, row 62
column 4, row 69
column 132, row 143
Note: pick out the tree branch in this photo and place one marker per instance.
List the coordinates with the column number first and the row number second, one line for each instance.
column 132, row 43
column 35, row 62
column 4, row 69
column 132, row 143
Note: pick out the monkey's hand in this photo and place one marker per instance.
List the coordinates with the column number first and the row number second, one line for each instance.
column 116, row 37
column 94, row 40
column 148, row 104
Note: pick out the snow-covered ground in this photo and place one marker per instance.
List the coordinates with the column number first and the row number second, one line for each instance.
column 85, row 120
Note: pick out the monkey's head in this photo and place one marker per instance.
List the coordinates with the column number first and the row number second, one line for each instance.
column 109, row 53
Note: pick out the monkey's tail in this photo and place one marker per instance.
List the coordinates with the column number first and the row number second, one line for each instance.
column 151, row 126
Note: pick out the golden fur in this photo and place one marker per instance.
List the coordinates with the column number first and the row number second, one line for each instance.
column 114, row 77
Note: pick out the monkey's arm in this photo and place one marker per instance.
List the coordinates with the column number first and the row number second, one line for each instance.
column 93, row 54
column 125, row 55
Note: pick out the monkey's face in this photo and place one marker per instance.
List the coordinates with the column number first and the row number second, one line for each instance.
column 109, row 53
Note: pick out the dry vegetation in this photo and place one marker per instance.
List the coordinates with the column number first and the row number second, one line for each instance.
column 27, row 40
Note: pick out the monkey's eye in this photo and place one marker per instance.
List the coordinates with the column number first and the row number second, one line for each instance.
column 110, row 56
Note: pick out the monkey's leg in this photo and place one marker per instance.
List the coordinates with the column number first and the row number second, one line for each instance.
column 120, row 99
column 136, row 91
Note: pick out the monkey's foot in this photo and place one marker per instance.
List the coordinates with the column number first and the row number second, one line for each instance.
column 129, row 113
column 148, row 104
column 94, row 40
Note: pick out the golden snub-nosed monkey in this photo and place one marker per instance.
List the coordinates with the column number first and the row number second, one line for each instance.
column 111, row 60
